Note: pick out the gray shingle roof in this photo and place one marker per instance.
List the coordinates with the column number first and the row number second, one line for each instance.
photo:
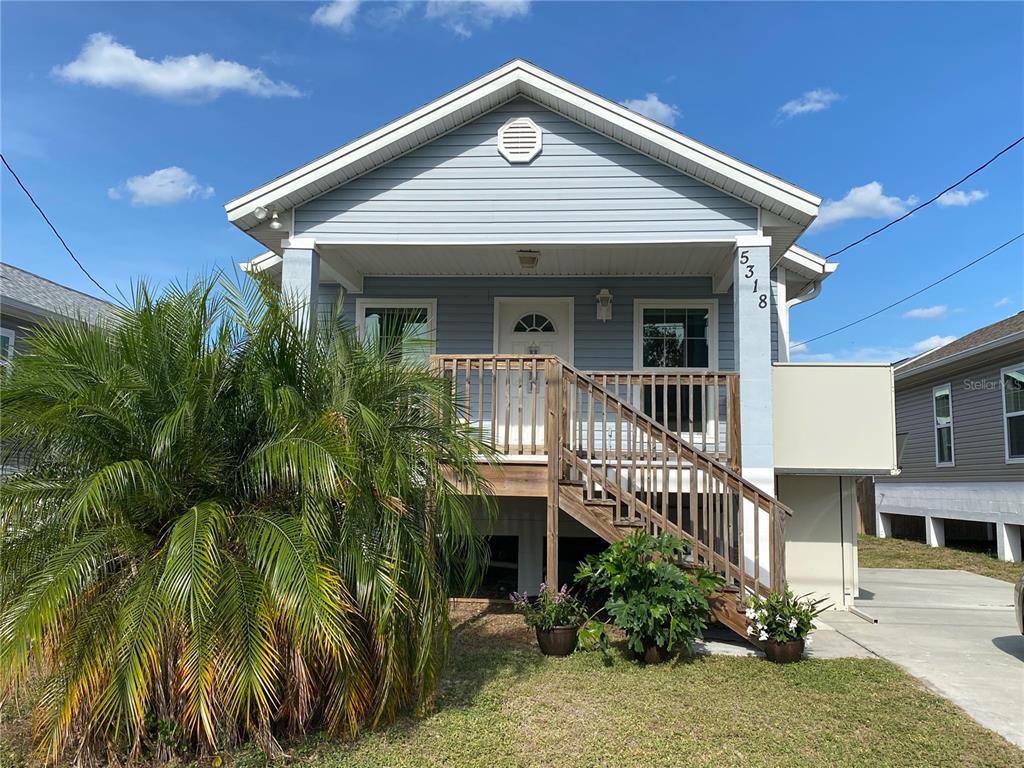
column 30, row 293
column 983, row 336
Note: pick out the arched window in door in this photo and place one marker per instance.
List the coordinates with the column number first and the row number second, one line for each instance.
column 534, row 322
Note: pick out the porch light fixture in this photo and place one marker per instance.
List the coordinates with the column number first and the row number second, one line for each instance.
column 260, row 212
column 604, row 305
column 528, row 259
column 275, row 223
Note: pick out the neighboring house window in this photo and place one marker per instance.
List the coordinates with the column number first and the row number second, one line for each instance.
column 942, row 407
column 401, row 326
column 6, row 344
column 675, row 334
column 1013, row 411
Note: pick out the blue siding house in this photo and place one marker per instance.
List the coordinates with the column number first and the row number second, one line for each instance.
column 611, row 300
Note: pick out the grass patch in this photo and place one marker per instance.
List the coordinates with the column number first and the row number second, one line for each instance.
column 503, row 704
column 873, row 552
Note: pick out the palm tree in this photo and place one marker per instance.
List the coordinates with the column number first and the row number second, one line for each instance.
column 229, row 527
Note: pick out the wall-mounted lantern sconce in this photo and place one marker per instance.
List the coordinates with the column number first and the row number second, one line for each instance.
column 604, row 305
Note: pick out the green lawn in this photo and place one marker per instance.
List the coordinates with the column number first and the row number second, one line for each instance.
column 873, row 552
column 503, row 704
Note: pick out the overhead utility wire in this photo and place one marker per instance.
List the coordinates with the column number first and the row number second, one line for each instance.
column 47, row 220
column 931, row 200
column 912, row 295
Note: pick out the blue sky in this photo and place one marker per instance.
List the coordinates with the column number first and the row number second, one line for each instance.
column 870, row 106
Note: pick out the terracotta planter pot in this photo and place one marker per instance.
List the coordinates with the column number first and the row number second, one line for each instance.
column 557, row 641
column 784, row 653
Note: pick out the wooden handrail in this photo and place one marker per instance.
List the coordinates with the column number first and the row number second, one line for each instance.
column 597, row 432
column 639, row 483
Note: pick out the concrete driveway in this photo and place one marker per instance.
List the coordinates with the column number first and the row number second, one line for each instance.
column 953, row 630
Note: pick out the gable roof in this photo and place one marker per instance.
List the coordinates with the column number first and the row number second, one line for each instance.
column 990, row 337
column 28, row 295
column 791, row 204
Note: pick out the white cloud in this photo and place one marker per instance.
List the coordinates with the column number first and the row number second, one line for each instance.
column 653, row 107
column 961, row 198
column 932, row 342
column 167, row 186
column 870, row 353
column 105, row 62
column 463, row 16
column 926, row 313
column 338, row 14
column 817, row 100
column 1002, row 302
column 866, row 202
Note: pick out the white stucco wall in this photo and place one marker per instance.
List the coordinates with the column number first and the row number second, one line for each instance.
column 821, row 536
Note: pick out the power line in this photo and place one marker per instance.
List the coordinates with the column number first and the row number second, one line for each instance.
column 912, row 211
column 912, row 295
column 47, row 220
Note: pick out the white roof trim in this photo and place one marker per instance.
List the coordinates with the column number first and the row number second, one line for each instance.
column 805, row 261
column 516, row 78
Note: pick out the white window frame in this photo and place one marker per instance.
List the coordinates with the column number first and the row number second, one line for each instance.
column 1007, row 415
column 428, row 304
column 9, row 334
column 639, row 305
column 948, row 390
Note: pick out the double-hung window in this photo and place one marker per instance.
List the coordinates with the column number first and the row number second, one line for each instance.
column 942, row 410
column 6, row 344
column 401, row 327
column 1012, row 380
column 670, row 335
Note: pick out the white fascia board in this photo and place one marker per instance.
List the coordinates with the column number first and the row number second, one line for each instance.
column 521, row 76
column 261, row 263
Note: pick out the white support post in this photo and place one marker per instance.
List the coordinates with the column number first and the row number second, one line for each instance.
column 782, row 312
column 753, row 343
column 883, row 525
column 935, row 531
column 1008, row 545
column 300, row 278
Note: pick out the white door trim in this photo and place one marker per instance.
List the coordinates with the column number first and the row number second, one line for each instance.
column 569, row 301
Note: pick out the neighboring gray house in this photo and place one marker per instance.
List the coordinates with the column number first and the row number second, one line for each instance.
column 960, row 425
column 611, row 300
column 26, row 300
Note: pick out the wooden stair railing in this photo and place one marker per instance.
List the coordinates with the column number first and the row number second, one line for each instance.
column 626, row 465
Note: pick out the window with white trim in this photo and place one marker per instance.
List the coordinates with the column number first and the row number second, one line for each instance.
column 6, row 344
column 675, row 334
column 1012, row 380
column 402, row 327
column 942, row 410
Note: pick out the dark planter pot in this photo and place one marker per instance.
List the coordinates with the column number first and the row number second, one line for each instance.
column 784, row 653
column 557, row 641
column 655, row 654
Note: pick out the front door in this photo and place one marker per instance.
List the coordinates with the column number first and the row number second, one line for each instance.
column 535, row 326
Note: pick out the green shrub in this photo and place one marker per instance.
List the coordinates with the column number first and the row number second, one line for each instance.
column 782, row 617
column 650, row 596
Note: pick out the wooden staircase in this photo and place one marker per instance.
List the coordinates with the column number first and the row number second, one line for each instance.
column 615, row 469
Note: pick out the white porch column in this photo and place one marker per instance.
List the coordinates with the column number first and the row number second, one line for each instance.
column 782, row 310
column 935, row 531
column 1008, row 542
column 300, row 277
column 753, row 344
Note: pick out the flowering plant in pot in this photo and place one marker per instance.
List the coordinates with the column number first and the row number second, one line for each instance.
column 783, row 623
column 660, row 605
column 555, row 616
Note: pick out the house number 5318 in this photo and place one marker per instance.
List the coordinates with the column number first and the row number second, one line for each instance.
column 748, row 273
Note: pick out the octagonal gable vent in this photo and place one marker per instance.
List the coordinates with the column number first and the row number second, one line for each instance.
column 520, row 140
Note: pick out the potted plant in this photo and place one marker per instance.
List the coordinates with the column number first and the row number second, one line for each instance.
column 556, row 617
column 783, row 623
column 660, row 605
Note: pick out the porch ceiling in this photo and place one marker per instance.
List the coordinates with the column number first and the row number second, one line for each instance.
column 556, row 260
